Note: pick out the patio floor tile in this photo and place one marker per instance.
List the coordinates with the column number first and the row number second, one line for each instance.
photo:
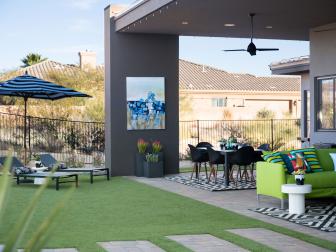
column 205, row 243
column 276, row 240
column 130, row 246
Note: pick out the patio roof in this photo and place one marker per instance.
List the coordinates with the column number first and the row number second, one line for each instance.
column 199, row 18
column 291, row 66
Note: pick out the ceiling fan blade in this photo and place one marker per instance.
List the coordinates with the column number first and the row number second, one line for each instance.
column 267, row 49
column 235, row 50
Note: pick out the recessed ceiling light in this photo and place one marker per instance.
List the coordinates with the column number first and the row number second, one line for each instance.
column 229, row 25
column 268, row 27
column 185, row 22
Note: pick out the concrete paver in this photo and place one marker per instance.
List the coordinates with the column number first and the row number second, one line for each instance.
column 276, row 240
column 206, row 243
column 130, row 246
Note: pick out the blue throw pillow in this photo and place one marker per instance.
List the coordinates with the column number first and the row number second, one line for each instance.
column 288, row 163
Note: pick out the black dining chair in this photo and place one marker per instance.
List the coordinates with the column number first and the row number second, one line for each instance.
column 256, row 158
column 243, row 157
column 215, row 159
column 264, row 147
column 204, row 145
column 198, row 156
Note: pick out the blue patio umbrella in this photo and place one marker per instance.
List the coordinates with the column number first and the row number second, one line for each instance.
column 28, row 86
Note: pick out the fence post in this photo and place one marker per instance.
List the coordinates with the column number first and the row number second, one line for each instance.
column 198, row 133
column 272, row 133
column 29, row 135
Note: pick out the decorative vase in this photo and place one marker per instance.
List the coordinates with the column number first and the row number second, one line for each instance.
column 139, row 164
column 299, row 179
column 153, row 169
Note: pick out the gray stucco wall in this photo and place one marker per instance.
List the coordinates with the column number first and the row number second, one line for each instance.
column 138, row 55
column 322, row 63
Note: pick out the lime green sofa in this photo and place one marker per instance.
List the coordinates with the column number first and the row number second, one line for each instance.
column 271, row 176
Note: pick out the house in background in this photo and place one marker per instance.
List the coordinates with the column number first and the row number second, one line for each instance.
column 87, row 60
column 214, row 94
column 298, row 66
column 208, row 93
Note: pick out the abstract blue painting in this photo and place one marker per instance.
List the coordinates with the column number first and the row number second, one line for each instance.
column 146, row 108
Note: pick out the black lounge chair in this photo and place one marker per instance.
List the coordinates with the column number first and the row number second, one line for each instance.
column 48, row 160
column 16, row 163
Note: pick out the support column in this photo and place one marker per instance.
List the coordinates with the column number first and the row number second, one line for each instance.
column 138, row 55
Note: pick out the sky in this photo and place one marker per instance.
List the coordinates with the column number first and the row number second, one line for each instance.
column 59, row 29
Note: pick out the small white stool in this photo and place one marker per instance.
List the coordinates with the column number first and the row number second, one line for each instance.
column 296, row 197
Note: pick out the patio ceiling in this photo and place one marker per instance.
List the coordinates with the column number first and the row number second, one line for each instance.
column 289, row 19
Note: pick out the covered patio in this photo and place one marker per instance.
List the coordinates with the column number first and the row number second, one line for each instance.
column 142, row 41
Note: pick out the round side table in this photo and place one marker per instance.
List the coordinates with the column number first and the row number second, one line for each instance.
column 296, row 197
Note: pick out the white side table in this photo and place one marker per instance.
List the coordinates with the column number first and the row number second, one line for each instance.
column 296, row 197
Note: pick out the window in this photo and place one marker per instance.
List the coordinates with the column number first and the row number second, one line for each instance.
column 326, row 103
column 219, row 102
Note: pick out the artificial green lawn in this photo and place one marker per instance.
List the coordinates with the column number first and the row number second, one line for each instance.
column 122, row 209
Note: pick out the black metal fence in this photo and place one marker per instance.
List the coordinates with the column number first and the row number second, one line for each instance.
column 279, row 133
column 78, row 142
column 74, row 142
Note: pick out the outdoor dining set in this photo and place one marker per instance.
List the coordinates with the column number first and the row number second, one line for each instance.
column 241, row 159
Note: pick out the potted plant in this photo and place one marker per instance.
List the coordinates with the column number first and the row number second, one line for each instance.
column 153, row 168
column 157, row 149
column 140, row 157
column 299, row 176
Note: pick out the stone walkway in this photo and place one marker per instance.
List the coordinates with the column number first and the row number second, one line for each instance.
column 48, row 250
column 55, row 250
column 209, row 243
column 206, row 243
column 130, row 246
column 237, row 201
column 277, row 241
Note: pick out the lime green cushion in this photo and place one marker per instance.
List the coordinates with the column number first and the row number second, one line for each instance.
column 310, row 156
column 325, row 179
column 275, row 158
column 325, row 159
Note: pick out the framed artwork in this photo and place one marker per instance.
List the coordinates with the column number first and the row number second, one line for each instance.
column 146, row 108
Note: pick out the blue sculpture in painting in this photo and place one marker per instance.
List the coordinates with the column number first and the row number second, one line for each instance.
column 145, row 111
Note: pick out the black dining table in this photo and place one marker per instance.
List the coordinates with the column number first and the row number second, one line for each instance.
column 227, row 153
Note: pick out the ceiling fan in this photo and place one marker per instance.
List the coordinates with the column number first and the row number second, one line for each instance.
column 252, row 49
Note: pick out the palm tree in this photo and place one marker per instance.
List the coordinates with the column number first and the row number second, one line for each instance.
column 31, row 59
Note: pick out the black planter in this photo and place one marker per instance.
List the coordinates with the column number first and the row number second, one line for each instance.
column 161, row 157
column 153, row 170
column 139, row 164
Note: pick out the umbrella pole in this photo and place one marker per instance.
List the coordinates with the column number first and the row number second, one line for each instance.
column 25, row 130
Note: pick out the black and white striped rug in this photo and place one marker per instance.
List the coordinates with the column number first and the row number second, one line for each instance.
column 202, row 183
column 321, row 216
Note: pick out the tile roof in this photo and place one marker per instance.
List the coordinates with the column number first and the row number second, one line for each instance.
column 198, row 77
column 42, row 69
column 192, row 77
